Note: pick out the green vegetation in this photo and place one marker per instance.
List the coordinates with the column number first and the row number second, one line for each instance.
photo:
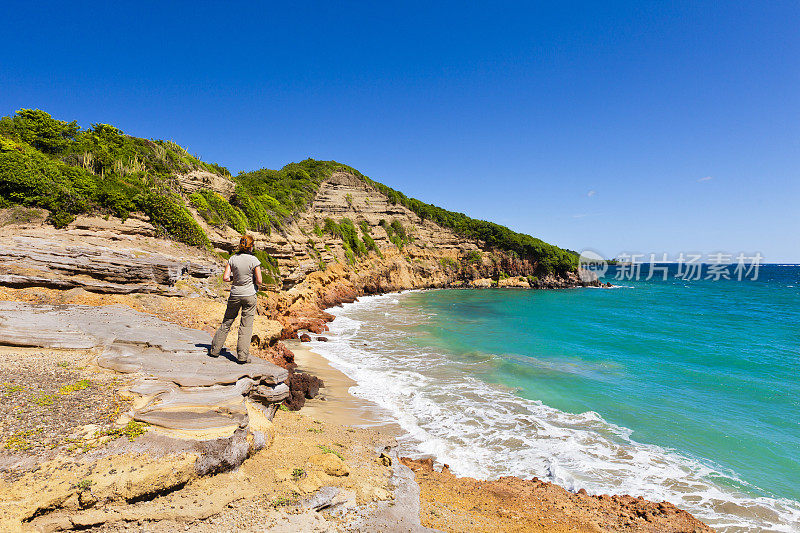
column 369, row 242
column 131, row 430
column 326, row 449
column 269, row 267
column 270, row 197
column 446, row 262
column 9, row 389
column 67, row 170
column 345, row 230
column 74, row 387
column 297, row 473
column 55, row 165
column 396, row 233
column 281, row 501
column 18, row 441
column 474, row 257
column 216, row 210
column 44, row 399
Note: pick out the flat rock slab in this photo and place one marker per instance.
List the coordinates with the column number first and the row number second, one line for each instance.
column 129, row 341
column 182, row 387
column 35, row 261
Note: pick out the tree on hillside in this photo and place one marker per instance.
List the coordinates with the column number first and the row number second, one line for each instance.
column 42, row 131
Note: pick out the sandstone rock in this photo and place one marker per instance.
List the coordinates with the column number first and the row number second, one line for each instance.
column 183, row 390
column 202, row 179
column 283, row 474
column 322, row 499
column 267, row 394
column 265, row 331
column 330, row 464
column 514, row 282
column 305, row 338
column 309, row 483
column 26, row 262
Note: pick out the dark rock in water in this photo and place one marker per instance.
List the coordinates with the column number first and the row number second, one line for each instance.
column 322, row 339
column 305, row 337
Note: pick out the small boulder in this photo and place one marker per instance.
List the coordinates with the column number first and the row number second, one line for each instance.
column 330, row 464
column 305, row 338
column 309, row 483
column 306, row 383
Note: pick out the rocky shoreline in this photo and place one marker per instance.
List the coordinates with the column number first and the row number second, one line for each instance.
column 149, row 462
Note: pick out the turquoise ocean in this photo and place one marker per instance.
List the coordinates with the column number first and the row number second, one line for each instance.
column 685, row 391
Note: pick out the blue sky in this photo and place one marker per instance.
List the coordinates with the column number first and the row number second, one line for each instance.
column 621, row 127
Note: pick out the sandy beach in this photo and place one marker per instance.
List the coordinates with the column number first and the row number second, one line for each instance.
column 335, row 404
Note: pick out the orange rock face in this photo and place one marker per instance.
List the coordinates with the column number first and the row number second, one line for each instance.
column 450, row 503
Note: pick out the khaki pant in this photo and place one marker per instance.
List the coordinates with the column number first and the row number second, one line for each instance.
column 247, row 304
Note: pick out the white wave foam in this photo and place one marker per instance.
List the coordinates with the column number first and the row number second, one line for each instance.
column 485, row 431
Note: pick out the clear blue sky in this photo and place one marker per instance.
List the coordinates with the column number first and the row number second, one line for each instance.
column 650, row 127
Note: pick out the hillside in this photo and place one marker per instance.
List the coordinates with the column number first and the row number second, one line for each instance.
column 111, row 257
column 304, row 216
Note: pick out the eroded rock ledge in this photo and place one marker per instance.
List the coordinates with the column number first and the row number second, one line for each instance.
column 180, row 387
column 207, row 414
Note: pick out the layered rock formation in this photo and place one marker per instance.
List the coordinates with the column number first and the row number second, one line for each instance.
column 106, row 256
column 209, row 415
column 179, row 388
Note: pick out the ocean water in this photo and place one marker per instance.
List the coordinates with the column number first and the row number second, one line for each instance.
column 685, row 391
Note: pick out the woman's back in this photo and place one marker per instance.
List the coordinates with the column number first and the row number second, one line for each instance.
column 242, row 267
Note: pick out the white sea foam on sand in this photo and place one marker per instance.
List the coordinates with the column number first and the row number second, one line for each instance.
column 486, row 431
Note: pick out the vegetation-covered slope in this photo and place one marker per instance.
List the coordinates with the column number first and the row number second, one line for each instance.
column 67, row 170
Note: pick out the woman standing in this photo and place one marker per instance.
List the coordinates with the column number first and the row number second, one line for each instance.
column 244, row 269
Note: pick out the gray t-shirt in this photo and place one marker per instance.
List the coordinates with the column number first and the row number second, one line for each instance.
column 242, row 276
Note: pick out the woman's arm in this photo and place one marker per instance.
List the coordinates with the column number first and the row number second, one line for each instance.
column 227, row 275
column 257, row 274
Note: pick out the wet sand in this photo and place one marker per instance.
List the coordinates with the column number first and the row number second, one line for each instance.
column 335, row 404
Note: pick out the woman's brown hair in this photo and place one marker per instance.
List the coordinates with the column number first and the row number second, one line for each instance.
column 246, row 243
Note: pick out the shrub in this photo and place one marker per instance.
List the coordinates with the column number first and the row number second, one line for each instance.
column 331, row 227
column 199, row 202
column 167, row 211
column 474, row 257
column 38, row 129
column 268, row 263
column 232, row 215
